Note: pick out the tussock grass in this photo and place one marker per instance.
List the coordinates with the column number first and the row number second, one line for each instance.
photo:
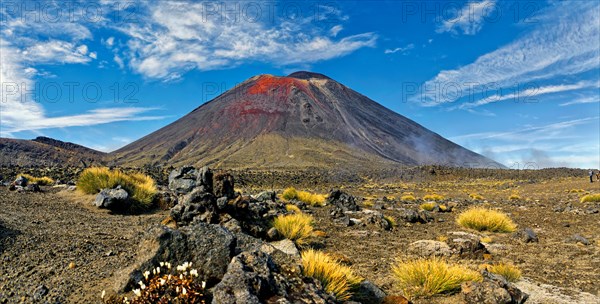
column 591, row 198
column 335, row 277
column 408, row 198
column 514, row 197
column 296, row 227
column 486, row 239
column 306, row 197
column 428, row 277
column 139, row 186
column 433, row 197
column 510, row 272
column 576, row 191
column 42, row 181
column 292, row 208
column 482, row 219
column 476, row 196
column 390, row 220
column 428, row 206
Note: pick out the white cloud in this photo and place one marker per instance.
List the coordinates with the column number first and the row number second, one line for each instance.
column 528, row 95
column 110, row 41
column 178, row 37
column 582, row 100
column 93, row 55
column 469, row 19
column 565, row 143
column 400, row 49
column 560, row 44
column 55, row 52
column 335, row 30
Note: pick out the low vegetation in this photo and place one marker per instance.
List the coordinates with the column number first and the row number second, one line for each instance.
column 390, row 220
column 428, row 277
column 306, row 197
column 42, row 181
column 140, row 187
column 292, row 208
column 482, row 219
column 335, row 277
column 510, row 272
column 433, row 197
column 408, row 198
column 476, row 196
column 429, row 206
column 297, row 227
column 164, row 285
column 514, row 197
column 591, row 198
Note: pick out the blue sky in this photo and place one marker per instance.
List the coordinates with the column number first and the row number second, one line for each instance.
column 517, row 81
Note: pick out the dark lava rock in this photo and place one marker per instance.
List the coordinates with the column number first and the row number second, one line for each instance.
column 576, row 238
column 343, row 201
column 494, row 289
column 412, row 216
column 466, row 245
column 20, row 181
column 112, row 199
column 198, row 203
column 32, row 188
column 368, row 293
column 182, row 180
column 40, row 292
column 526, row 235
column 209, row 248
column 258, row 277
column 224, row 185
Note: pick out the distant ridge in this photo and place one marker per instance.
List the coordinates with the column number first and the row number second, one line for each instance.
column 46, row 152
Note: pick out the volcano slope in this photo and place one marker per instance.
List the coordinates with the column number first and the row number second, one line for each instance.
column 300, row 121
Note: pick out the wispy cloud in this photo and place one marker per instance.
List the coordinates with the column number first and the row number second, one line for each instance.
column 556, row 144
column 470, row 19
column 582, row 100
column 560, row 44
column 177, row 37
column 400, row 49
column 529, row 94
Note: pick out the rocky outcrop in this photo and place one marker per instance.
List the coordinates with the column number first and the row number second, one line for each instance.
column 494, row 289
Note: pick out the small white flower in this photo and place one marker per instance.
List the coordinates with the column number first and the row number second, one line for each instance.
column 184, row 291
column 141, row 283
column 143, row 286
column 203, row 284
column 162, row 282
column 162, row 264
column 103, row 294
column 194, row 272
column 146, row 274
column 137, row 292
column 158, row 270
column 181, row 276
column 177, row 289
column 169, row 277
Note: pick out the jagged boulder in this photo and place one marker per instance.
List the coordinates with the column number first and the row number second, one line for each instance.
column 208, row 247
column 429, row 248
column 466, row 245
column 258, row 277
column 494, row 289
column 342, row 200
column 224, row 185
column 112, row 199
column 198, row 203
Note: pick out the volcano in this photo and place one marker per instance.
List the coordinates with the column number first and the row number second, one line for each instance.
column 299, row 121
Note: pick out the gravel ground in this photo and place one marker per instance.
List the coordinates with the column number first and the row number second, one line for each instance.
column 56, row 248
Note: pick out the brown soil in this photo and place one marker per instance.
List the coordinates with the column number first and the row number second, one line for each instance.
column 42, row 233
